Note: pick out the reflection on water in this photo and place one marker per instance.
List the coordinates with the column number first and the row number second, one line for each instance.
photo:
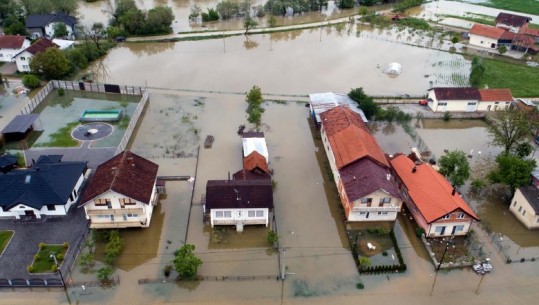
column 139, row 244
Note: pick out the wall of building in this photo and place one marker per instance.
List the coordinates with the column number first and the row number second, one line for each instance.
column 456, row 218
column 494, row 106
column 523, row 211
column 451, row 105
column 376, row 210
column 6, row 55
column 49, row 30
column 23, row 61
column 239, row 216
column 482, row 41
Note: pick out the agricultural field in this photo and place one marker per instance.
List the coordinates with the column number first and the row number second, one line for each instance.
column 520, row 79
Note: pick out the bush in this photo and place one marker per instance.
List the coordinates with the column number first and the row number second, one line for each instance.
column 66, row 245
column 167, row 270
column 41, row 246
column 419, row 231
column 384, row 253
column 360, row 286
column 36, row 256
column 54, row 268
column 31, row 81
column 104, row 273
column 30, row 269
column 60, row 256
column 478, row 184
column 61, row 92
column 502, row 49
column 211, row 15
column 447, row 116
column 272, row 237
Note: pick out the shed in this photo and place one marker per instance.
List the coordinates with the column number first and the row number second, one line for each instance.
column 21, row 126
column 255, row 141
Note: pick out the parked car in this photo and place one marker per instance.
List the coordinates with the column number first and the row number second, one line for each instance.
column 423, row 102
column 120, row 39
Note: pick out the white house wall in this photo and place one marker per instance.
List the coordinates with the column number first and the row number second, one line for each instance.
column 482, row 41
column 6, row 55
column 49, row 30
column 375, row 212
column 23, row 61
column 448, row 228
column 494, row 106
column 331, row 157
column 451, row 105
column 116, row 216
column 238, row 216
column 523, row 211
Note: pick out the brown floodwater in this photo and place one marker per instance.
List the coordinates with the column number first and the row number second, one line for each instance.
column 311, row 61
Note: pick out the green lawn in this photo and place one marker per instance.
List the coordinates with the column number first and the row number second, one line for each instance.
column 523, row 6
column 5, row 237
column 62, row 138
column 482, row 19
column 43, row 262
column 521, row 79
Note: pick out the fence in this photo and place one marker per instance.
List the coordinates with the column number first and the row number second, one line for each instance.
column 210, row 278
column 473, row 247
column 132, row 123
column 78, row 86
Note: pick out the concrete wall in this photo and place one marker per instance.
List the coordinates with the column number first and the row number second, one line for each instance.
column 523, row 211
column 482, row 41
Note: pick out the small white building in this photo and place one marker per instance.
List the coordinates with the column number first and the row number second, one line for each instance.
column 525, row 206
column 255, row 141
column 24, row 57
column 494, row 99
column 453, row 99
column 238, row 202
column 122, row 193
column 43, row 25
column 48, row 188
column 11, row 45
column 485, row 36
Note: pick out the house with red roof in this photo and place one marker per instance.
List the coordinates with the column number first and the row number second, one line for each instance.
column 468, row 99
column 122, row 193
column 11, row 45
column 431, row 199
column 512, row 23
column 485, row 36
column 361, row 171
column 24, row 57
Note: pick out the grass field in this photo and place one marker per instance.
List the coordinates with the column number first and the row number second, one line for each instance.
column 520, row 79
column 523, row 6
column 62, row 138
column 5, row 236
column 43, row 262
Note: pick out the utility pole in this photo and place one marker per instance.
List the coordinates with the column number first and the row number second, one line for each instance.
column 450, row 242
column 53, row 255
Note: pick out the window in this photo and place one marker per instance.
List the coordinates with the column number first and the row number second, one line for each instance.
column 446, row 216
column 440, row 229
column 368, row 201
column 71, row 197
column 102, row 202
column 382, row 213
column 25, row 67
column 23, row 58
column 515, row 204
column 127, row 201
column 228, row 214
column 362, row 213
column 523, row 212
column 460, row 216
column 250, row 213
column 75, row 193
column 385, row 200
column 260, row 213
column 219, row 214
column 51, row 207
column 131, row 215
column 104, row 216
column 459, row 228
column 520, row 209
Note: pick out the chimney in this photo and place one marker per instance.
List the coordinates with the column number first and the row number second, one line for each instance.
column 453, row 192
column 388, row 177
column 414, row 169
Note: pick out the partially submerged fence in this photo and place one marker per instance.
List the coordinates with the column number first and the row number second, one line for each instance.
column 209, row 278
column 79, row 86
column 132, row 123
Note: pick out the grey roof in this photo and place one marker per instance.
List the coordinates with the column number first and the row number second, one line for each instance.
column 38, row 21
column 320, row 102
column 47, row 182
column 20, row 123
column 8, row 160
column 531, row 193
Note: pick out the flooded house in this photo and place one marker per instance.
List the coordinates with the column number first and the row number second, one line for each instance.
column 320, row 102
column 247, row 199
column 48, row 188
column 23, row 58
column 525, row 206
column 10, row 45
column 367, row 189
column 122, row 193
column 512, row 23
column 468, row 99
column 43, row 25
column 433, row 202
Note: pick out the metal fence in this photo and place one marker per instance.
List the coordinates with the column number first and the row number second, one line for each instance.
column 209, row 278
column 132, row 123
column 36, row 100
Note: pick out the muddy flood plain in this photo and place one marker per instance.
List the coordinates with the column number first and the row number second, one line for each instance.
column 317, row 259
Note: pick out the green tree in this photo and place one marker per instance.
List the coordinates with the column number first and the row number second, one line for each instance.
column 211, row 15
column 365, row 102
column 228, row 9
column 33, row 7
column 122, row 7
column 133, row 21
column 272, row 21
column 31, row 81
column 159, row 20
column 346, row 3
column 60, row 30
column 86, row 260
column 186, row 263
column 113, row 248
column 477, row 72
column 523, row 149
column 249, row 23
column 11, row 8
column 509, row 128
column 512, row 171
column 363, row 11
column 502, row 49
column 254, row 97
column 104, row 273
column 454, row 165
column 406, row 4
column 13, row 26
column 52, row 63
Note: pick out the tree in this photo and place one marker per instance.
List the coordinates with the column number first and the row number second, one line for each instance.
column 249, row 23
column 365, row 102
column 186, row 263
column 60, row 30
column 502, row 49
column 31, row 81
column 512, row 171
column 476, row 72
column 254, row 97
column 133, row 21
column 104, row 273
column 122, row 7
column 254, row 110
column 52, row 63
column 454, row 165
column 33, row 7
column 509, row 128
column 15, row 28
column 228, row 9
column 272, row 21
column 346, row 3
column 158, row 20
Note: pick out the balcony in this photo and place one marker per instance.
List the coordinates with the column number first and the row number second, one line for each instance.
column 116, row 224
column 376, row 209
column 116, row 212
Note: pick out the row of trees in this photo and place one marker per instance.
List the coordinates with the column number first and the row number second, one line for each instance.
column 128, row 19
column 254, row 109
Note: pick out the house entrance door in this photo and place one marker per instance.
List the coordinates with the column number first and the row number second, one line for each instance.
column 471, row 106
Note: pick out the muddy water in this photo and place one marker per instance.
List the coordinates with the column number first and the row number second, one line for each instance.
column 312, row 61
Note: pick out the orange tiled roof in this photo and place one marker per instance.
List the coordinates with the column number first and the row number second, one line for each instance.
column 349, row 137
column 254, row 160
column 531, row 32
column 429, row 190
column 487, row 31
column 494, row 95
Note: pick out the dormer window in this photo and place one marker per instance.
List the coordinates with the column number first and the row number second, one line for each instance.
column 446, row 216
